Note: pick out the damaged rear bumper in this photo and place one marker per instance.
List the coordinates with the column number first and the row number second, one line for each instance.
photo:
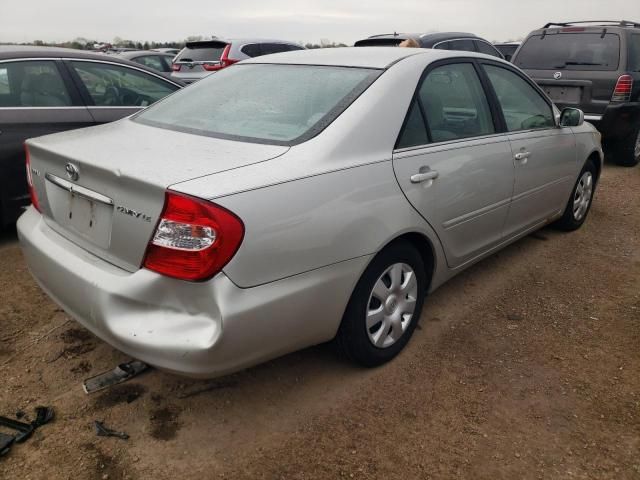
column 195, row 329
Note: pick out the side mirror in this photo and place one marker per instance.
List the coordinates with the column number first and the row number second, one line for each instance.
column 571, row 117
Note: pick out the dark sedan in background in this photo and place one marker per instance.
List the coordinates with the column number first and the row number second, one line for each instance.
column 47, row 90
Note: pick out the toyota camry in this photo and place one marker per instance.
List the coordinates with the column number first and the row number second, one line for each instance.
column 296, row 199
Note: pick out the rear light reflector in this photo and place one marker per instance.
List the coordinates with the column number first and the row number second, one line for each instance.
column 175, row 67
column 622, row 92
column 194, row 238
column 32, row 190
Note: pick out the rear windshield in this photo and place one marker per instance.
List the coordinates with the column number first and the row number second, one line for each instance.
column 379, row 42
column 571, row 51
column 264, row 103
column 201, row 52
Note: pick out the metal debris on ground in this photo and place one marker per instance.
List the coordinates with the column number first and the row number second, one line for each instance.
column 103, row 431
column 122, row 373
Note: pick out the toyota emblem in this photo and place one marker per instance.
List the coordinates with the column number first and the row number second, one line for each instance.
column 72, row 171
column 557, row 75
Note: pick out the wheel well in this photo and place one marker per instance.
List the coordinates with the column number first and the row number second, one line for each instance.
column 424, row 247
column 595, row 157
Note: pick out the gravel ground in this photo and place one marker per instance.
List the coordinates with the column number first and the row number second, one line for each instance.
column 524, row 367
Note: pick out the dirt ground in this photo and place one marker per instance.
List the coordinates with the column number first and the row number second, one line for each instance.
column 527, row 366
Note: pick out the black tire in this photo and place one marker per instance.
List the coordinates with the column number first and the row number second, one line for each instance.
column 353, row 338
column 627, row 152
column 568, row 222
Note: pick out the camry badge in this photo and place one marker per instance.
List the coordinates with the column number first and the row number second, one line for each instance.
column 72, row 171
column 557, row 75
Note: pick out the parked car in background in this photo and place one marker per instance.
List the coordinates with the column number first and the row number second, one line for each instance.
column 297, row 198
column 170, row 51
column 507, row 49
column 198, row 59
column 156, row 60
column 46, row 90
column 594, row 66
column 467, row 42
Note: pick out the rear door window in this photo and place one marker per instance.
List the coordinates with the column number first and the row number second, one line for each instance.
column 522, row 106
column 463, row 45
column 269, row 48
column 151, row 61
column 571, row 51
column 455, row 103
column 32, row 84
column 414, row 132
column 634, row 52
column 484, row 47
column 111, row 85
column 201, row 52
column 252, row 50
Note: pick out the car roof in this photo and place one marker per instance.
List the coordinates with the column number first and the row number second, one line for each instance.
column 243, row 41
column 587, row 26
column 370, row 57
column 10, row 52
column 23, row 51
column 141, row 53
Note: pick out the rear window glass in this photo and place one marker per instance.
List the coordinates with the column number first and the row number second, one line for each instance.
column 201, row 53
column 571, row 51
column 278, row 104
column 379, row 42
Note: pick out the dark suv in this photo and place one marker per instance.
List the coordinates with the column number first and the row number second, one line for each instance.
column 467, row 42
column 594, row 66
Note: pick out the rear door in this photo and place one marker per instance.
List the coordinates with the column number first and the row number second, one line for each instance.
column 544, row 155
column 36, row 98
column 192, row 61
column 574, row 66
column 452, row 162
column 113, row 91
column 462, row 44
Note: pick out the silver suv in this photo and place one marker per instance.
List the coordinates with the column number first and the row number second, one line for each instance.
column 198, row 59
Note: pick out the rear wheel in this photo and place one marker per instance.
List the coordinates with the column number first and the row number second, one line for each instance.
column 579, row 204
column 627, row 152
column 385, row 306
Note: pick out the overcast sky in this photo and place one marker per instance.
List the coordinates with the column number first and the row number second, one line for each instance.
column 298, row 20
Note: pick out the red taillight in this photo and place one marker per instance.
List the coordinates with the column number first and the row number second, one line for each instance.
column 32, row 190
column 225, row 61
column 212, row 67
column 175, row 67
column 622, row 92
column 194, row 238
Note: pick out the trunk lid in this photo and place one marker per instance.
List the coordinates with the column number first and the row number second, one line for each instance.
column 103, row 187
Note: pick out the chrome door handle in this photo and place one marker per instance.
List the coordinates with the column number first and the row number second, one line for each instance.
column 424, row 176
column 522, row 156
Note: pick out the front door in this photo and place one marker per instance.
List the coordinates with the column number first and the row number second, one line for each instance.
column 453, row 165
column 544, row 154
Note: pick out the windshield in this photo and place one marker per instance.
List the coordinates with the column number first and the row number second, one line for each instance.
column 571, row 51
column 265, row 103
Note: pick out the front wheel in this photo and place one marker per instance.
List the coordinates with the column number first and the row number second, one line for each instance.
column 579, row 204
column 385, row 306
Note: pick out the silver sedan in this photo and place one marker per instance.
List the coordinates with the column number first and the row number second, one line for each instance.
column 299, row 198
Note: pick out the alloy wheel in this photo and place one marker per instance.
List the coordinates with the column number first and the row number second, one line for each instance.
column 582, row 195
